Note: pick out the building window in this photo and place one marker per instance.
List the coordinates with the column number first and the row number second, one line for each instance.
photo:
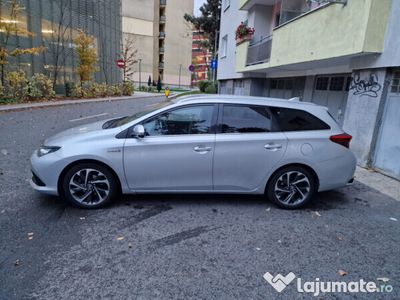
column 396, row 83
column 336, row 84
column 322, row 83
column 224, row 46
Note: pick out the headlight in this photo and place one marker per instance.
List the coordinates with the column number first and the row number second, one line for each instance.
column 43, row 150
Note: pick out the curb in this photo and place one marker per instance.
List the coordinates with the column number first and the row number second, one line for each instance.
column 18, row 107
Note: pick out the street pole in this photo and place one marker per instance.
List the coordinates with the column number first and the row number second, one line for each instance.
column 140, row 73
column 180, row 72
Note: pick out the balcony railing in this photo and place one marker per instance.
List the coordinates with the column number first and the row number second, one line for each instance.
column 162, row 35
column 162, row 50
column 259, row 52
column 161, row 65
column 163, row 19
column 163, row 2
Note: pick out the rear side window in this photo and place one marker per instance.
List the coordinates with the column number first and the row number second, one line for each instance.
column 246, row 119
column 297, row 120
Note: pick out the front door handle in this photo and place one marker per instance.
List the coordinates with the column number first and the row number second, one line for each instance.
column 202, row 149
column 273, row 147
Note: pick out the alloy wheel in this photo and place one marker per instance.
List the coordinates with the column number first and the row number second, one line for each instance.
column 292, row 188
column 89, row 186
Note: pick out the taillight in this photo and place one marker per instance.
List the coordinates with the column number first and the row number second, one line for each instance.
column 342, row 139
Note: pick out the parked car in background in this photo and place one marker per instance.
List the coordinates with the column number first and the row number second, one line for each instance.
column 287, row 150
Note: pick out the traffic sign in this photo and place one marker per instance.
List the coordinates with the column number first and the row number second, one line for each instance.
column 191, row 68
column 121, row 63
column 214, row 64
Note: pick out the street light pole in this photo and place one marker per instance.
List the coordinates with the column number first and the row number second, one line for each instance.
column 140, row 73
column 180, row 73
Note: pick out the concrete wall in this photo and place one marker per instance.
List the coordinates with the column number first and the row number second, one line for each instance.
column 230, row 19
column 138, row 22
column 178, row 42
column 363, row 104
column 391, row 55
column 139, row 9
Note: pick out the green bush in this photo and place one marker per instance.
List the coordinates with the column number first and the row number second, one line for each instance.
column 69, row 87
column 127, row 88
column 16, row 85
column 40, row 87
column 211, row 89
column 96, row 90
column 203, row 84
column 114, row 90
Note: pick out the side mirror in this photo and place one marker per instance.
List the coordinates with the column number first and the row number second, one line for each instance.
column 138, row 131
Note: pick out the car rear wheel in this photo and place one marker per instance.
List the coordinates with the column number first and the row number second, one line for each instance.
column 291, row 187
column 89, row 185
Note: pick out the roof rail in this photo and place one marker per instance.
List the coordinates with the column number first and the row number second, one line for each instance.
column 297, row 99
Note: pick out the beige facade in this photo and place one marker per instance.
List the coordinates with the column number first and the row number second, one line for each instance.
column 162, row 37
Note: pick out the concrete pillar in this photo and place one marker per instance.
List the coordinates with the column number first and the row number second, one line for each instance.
column 367, row 93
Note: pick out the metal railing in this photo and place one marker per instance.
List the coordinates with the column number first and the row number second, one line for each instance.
column 163, row 18
column 162, row 50
column 163, row 2
column 162, row 34
column 161, row 65
column 259, row 51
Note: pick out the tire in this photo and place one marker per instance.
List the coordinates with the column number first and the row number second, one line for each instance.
column 89, row 185
column 291, row 187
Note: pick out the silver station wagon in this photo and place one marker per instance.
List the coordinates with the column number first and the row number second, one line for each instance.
column 287, row 150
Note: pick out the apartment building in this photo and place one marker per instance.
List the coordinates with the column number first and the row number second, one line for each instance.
column 201, row 58
column 341, row 54
column 162, row 37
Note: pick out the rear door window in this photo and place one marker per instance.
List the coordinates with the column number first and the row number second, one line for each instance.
column 246, row 119
column 290, row 119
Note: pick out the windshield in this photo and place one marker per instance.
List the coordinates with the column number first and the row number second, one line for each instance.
column 127, row 119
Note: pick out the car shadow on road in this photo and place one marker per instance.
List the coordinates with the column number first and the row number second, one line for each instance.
column 339, row 199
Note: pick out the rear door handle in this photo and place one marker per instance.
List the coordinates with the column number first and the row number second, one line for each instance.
column 273, row 147
column 202, row 149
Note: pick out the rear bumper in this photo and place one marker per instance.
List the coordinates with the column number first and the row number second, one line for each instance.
column 337, row 172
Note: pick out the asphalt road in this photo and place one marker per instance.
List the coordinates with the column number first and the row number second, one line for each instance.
column 179, row 247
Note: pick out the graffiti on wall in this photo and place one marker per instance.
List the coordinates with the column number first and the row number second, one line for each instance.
column 369, row 86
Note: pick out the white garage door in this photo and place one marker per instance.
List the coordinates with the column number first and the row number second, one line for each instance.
column 332, row 91
column 387, row 154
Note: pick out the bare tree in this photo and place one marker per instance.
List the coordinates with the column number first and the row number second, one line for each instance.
column 60, row 37
column 129, row 56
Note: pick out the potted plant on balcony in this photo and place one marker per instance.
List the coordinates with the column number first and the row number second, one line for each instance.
column 244, row 33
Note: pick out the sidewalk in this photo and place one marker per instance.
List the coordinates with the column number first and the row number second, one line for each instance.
column 21, row 106
column 382, row 183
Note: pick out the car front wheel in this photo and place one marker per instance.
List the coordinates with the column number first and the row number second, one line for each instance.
column 89, row 185
column 291, row 187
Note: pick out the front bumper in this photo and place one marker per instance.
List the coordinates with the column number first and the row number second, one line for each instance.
column 43, row 189
column 45, row 171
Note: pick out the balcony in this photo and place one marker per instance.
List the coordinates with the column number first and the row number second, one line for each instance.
column 314, row 39
column 161, row 50
column 163, row 3
column 162, row 35
column 162, row 19
column 161, row 65
column 259, row 52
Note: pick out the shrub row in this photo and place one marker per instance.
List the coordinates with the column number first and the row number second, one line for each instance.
column 18, row 87
column 95, row 90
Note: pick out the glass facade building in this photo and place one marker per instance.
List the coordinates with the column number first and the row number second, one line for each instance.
column 55, row 24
